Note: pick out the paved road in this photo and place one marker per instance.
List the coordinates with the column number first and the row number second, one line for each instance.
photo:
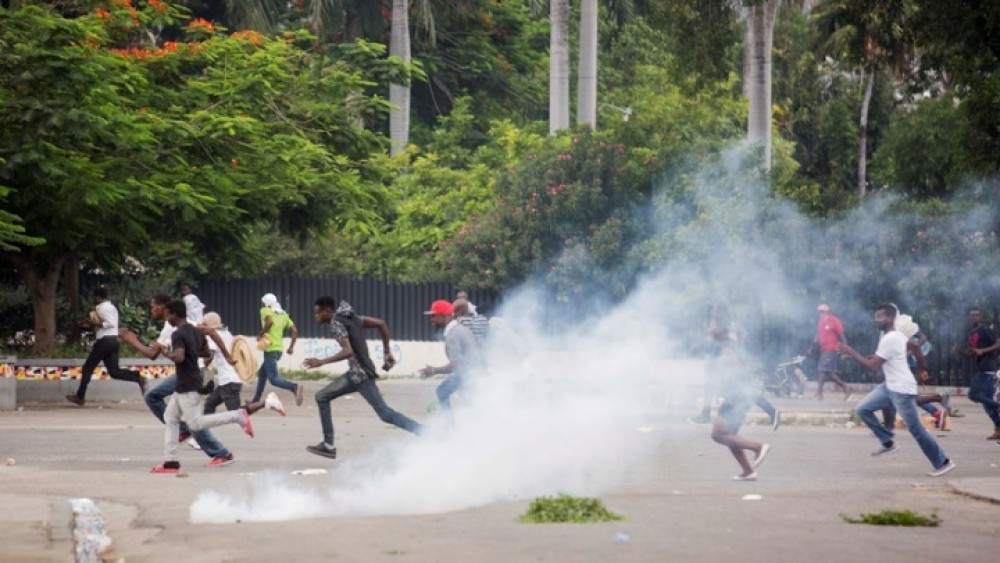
column 679, row 501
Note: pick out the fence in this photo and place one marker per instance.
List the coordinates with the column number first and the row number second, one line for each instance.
column 401, row 305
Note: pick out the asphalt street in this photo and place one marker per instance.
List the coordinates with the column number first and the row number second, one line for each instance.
column 681, row 505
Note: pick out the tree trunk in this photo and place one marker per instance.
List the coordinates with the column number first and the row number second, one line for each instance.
column 71, row 282
column 863, row 134
column 747, row 51
column 761, row 32
column 559, row 66
column 399, row 94
column 42, row 290
column 586, row 90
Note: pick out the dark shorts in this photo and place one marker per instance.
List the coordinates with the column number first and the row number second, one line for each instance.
column 828, row 360
column 734, row 411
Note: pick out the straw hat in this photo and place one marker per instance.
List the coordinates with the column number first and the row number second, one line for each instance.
column 246, row 358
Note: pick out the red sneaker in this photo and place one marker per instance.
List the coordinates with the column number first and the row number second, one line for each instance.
column 245, row 422
column 220, row 461
column 166, row 467
column 937, row 418
column 182, row 437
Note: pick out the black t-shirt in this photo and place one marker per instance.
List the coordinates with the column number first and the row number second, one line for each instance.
column 355, row 335
column 983, row 337
column 192, row 340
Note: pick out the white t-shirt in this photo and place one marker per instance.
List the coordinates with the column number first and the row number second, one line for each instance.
column 898, row 377
column 226, row 372
column 195, row 308
column 109, row 319
column 164, row 340
column 165, row 334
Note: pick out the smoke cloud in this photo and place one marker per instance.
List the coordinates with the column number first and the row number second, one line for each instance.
column 560, row 410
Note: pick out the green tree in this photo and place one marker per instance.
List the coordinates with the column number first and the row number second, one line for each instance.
column 175, row 152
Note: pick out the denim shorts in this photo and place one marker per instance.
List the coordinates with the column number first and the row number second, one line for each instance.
column 734, row 411
column 828, row 360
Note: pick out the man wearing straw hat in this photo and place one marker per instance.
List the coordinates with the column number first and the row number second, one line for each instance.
column 347, row 328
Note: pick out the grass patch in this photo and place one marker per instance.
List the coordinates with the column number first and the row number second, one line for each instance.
column 305, row 375
column 895, row 518
column 567, row 509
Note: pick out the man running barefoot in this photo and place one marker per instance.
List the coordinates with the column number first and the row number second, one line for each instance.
column 899, row 391
column 188, row 344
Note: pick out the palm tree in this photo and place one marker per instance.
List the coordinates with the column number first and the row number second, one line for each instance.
column 872, row 35
column 759, row 43
column 558, row 65
column 399, row 94
column 586, row 104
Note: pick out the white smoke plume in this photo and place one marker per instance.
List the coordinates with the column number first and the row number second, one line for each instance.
column 567, row 423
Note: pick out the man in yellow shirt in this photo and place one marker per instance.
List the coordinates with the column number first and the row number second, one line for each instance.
column 274, row 322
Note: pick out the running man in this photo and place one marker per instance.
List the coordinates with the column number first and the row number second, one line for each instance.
column 899, row 391
column 347, row 328
column 187, row 345
column 274, row 322
column 982, row 345
column 465, row 358
column 105, row 349
column 829, row 334
column 156, row 398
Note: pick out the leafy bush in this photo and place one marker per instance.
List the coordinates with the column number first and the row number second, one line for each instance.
column 895, row 518
column 567, row 509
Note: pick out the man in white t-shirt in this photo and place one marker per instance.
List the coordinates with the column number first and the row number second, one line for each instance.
column 899, row 391
column 195, row 308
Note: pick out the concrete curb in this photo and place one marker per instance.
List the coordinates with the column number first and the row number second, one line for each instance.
column 981, row 488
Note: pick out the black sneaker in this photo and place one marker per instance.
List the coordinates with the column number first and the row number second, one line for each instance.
column 76, row 400
column 323, row 450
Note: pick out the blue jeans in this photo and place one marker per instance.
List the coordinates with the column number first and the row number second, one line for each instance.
column 448, row 387
column 269, row 372
column 906, row 405
column 156, row 401
column 982, row 390
column 345, row 385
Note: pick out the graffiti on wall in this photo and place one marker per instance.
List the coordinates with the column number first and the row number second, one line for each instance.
column 43, row 373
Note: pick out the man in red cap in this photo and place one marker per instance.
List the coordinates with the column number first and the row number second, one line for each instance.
column 460, row 345
column 829, row 335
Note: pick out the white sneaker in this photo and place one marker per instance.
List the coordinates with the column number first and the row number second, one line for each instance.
column 948, row 466
column 764, row 449
column 750, row 477
column 274, row 403
column 193, row 443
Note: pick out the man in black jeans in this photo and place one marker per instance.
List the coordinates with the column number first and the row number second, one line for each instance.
column 105, row 349
column 982, row 345
column 347, row 328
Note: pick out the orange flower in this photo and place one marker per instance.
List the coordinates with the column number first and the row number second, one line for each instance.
column 102, row 13
column 201, row 24
column 250, row 35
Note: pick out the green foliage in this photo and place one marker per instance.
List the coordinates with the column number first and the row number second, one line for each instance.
column 924, row 152
column 568, row 509
column 906, row 518
column 567, row 208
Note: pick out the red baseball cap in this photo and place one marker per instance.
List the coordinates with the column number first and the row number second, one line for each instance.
column 441, row 307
